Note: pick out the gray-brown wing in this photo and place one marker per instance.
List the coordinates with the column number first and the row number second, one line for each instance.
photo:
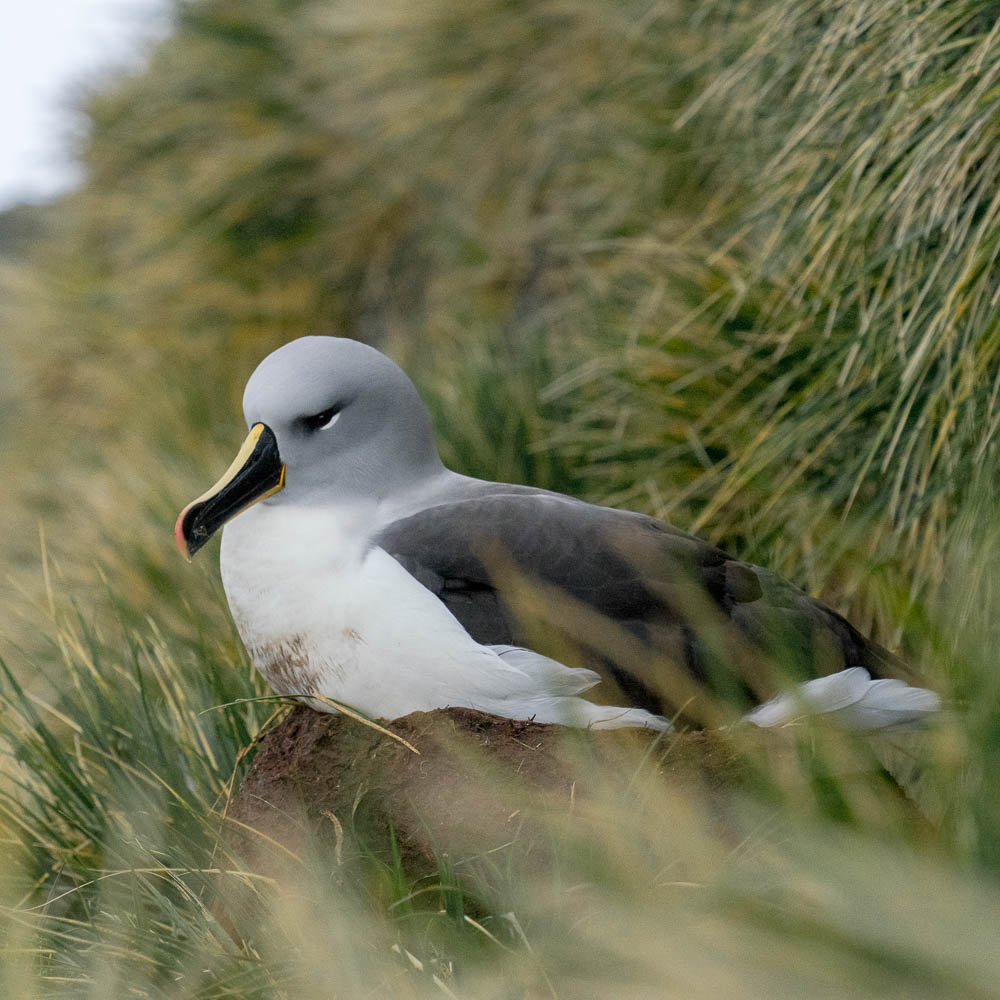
column 725, row 622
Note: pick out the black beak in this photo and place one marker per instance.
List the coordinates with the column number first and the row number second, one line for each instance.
column 256, row 472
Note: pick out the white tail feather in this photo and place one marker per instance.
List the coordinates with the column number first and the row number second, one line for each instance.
column 851, row 699
column 548, row 696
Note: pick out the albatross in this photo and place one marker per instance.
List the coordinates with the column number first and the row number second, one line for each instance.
column 362, row 572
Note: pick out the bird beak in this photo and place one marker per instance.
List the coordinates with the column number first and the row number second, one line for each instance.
column 257, row 472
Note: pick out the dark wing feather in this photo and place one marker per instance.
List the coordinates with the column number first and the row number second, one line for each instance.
column 727, row 623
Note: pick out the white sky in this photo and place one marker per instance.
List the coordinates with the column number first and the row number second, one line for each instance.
column 47, row 49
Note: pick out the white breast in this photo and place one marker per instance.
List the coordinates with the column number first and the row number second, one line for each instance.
column 287, row 575
column 320, row 610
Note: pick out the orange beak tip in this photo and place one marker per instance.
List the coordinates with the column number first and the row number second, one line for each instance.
column 179, row 540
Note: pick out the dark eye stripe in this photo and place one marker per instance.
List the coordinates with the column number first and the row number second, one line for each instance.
column 319, row 420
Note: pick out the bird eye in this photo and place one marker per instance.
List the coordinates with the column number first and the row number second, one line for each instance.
column 320, row 421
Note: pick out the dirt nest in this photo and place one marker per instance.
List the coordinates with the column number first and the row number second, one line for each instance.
column 448, row 781
column 457, row 783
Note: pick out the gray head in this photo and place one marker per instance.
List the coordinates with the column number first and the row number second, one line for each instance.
column 330, row 419
column 348, row 421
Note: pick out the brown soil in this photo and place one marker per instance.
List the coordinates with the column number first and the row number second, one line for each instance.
column 480, row 782
column 476, row 782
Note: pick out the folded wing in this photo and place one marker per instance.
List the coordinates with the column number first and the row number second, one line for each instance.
column 730, row 625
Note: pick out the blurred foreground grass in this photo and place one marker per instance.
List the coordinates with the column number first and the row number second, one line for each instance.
column 731, row 264
column 119, row 878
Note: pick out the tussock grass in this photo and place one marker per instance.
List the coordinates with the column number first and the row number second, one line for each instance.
column 119, row 880
column 732, row 265
column 856, row 290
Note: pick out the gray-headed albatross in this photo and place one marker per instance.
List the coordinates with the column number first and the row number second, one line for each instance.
column 359, row 568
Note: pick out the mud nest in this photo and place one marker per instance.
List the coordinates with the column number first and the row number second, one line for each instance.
column 448, row 781
column 459, row 782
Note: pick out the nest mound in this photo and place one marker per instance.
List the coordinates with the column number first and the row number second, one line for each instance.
column 451, row 780
column 457, row 784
